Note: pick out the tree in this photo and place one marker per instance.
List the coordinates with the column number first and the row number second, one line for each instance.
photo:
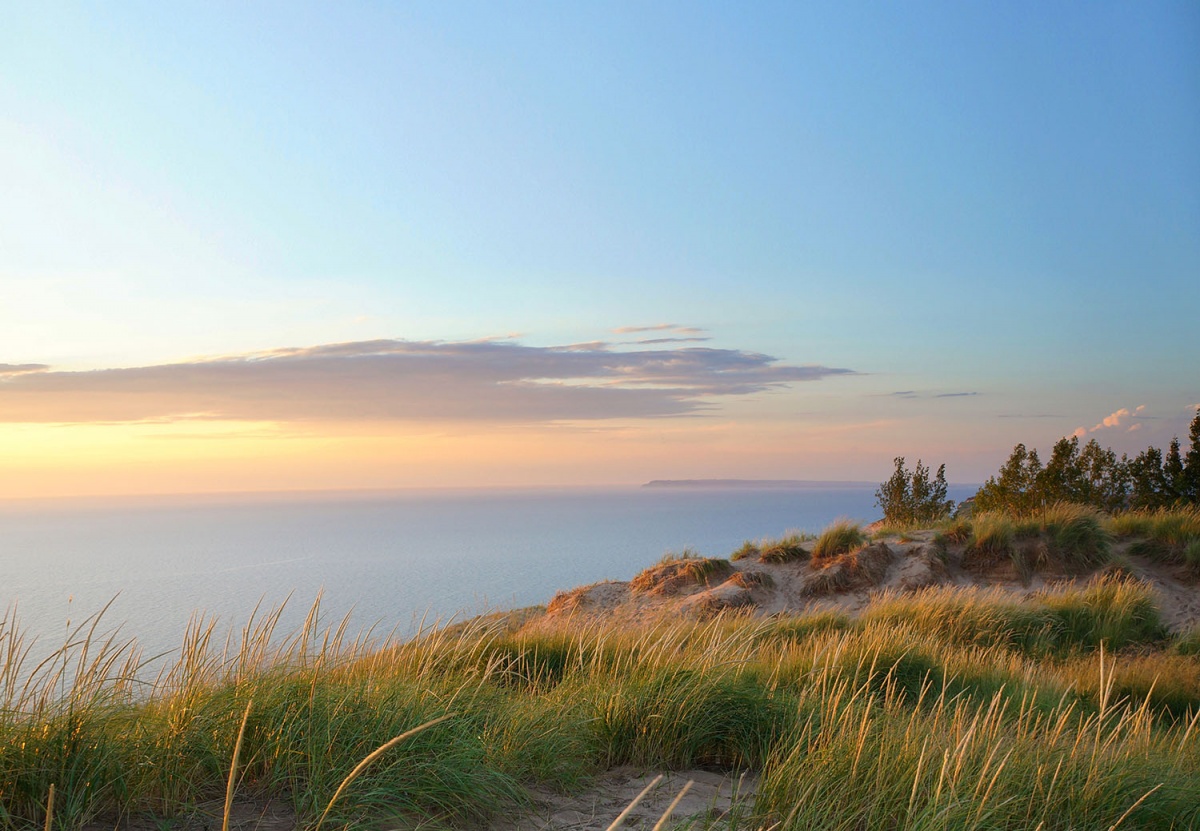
column 1015, row 487
column 1173, row 473
column 1148, row 484
column 908, row 498
column 1095, row 476
column 1191, row 467
column 1062, row 480
column 1106, row 477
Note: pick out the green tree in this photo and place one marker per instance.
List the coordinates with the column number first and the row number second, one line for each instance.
column 908, row 498
column 1014, row 488
column 1191, row 466
column 1106, row 478
column 1173, row 473
column 1062, row 480
column 1148, row 483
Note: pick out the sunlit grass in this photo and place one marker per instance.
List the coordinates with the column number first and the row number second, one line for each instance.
column 841, row 537
column 950, row 705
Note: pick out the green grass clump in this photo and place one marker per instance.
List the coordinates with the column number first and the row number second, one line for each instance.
column 1187, row 642
column 786, row 550
column 841, row 537
column 748, row 550
column 993, row 534
column 1174, row 528
column 1116, row 612
column 1067, row 536
column 1191, row 555
column 675, row 571
column 1075, row 535
column 956, row 531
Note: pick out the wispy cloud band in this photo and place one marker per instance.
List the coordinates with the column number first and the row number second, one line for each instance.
column 404, row 380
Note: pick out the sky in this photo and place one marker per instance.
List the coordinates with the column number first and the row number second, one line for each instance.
column 277, row 246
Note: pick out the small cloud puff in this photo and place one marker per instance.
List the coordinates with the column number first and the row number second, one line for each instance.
column 1118, row 418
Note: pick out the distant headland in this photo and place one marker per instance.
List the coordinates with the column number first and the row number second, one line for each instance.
column 754, row 483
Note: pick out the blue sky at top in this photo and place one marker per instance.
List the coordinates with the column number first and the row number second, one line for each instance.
column 999, row 198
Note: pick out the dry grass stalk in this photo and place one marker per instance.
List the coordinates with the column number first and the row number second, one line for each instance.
column 620, row 820
column 371, row 757
column 237, row 752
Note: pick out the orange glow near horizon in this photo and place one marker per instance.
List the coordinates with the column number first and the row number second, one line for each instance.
column 220, row 456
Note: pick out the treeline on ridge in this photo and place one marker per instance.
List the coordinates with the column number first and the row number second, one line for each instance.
column 1088, row 475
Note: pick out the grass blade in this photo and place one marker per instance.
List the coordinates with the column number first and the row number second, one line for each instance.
column 237, row 751
column 371, row 757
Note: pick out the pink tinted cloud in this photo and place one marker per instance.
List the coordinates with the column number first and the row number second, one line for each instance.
column 1118, row 418
column 1113, row 420
column 406, row 380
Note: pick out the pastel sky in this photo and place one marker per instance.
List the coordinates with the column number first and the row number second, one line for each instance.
column 264, row 246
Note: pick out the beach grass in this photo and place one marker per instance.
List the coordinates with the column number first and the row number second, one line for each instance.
column 841, row 537
column 950, row 706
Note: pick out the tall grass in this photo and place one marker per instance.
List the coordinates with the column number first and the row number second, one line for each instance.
column 1172, row 527
column 951, row 710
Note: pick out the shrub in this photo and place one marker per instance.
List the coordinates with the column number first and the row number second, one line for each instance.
column 911, row 498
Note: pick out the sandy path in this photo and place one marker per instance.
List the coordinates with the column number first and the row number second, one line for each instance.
column 711, row 796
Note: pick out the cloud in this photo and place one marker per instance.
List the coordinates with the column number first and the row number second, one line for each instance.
column 910, row 394
column 1113, row 420
column 406, row 380
column 1117, row 418
column 21, row 369
column 653, row 341
column 660, row 327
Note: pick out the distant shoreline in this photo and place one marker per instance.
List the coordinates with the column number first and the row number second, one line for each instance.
column 780, row 484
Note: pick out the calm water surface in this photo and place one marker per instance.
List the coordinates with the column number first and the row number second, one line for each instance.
column 388, row 558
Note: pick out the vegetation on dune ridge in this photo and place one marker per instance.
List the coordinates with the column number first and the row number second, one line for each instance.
column 945, row 708
column 1095, row 476
column 841, row 537
column 787, row 549
column 674, row 571
column 911, row 498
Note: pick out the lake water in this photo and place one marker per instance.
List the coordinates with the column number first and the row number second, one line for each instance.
column 391, row 558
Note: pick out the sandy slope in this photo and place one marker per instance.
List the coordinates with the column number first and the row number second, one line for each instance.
column 847, row 585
